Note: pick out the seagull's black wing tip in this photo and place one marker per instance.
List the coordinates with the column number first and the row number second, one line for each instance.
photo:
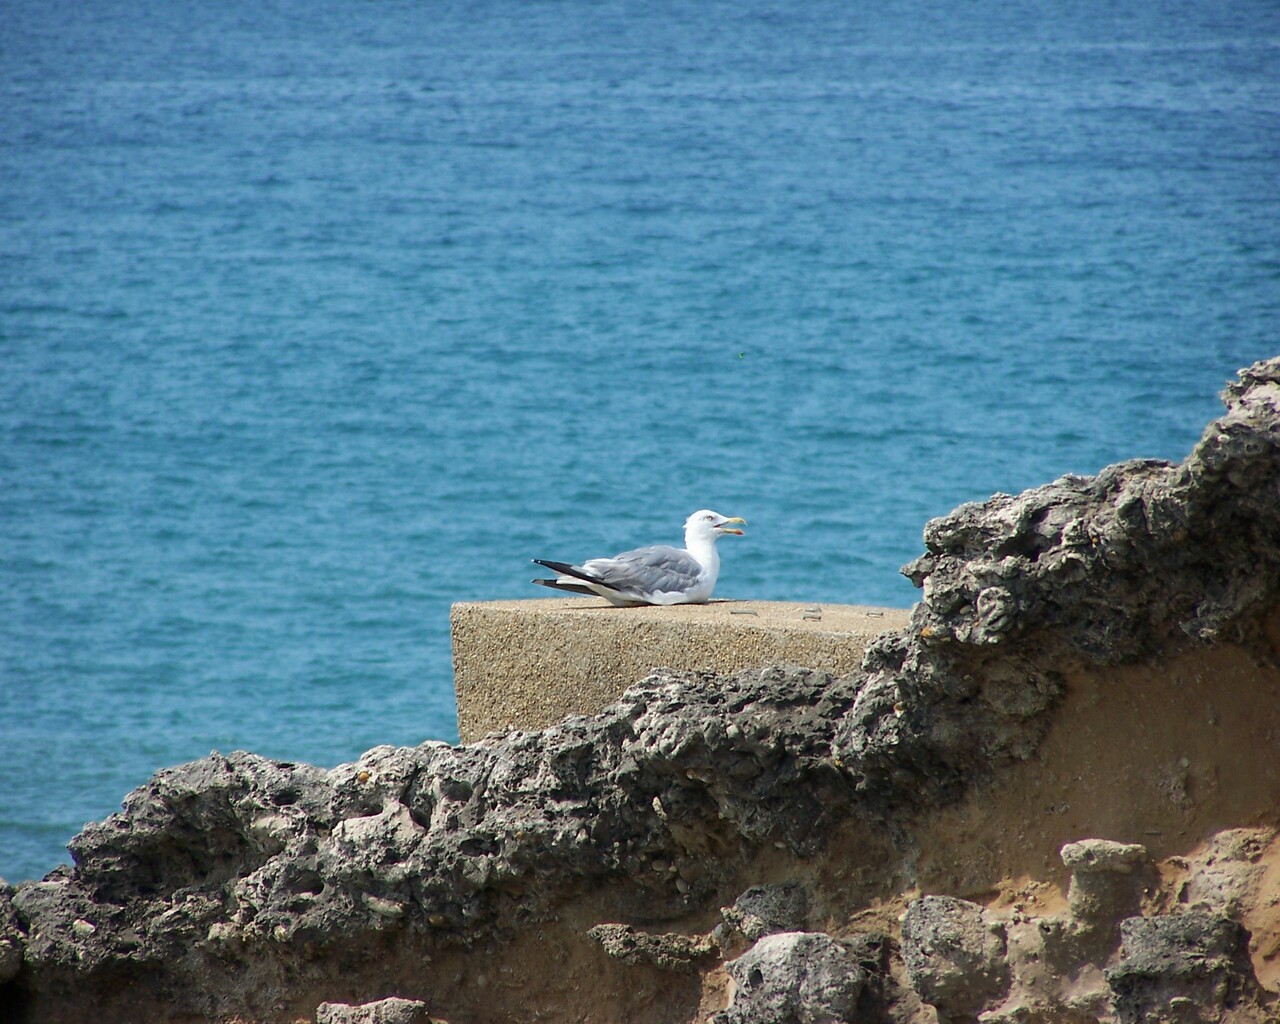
column 556, row 566
column 568, row 588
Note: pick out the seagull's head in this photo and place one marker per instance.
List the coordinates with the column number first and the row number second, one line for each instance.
column 705, row 523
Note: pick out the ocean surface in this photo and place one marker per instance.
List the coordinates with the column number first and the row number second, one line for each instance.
column 318, row 316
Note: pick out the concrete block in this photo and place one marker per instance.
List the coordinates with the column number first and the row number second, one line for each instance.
column 529, row 664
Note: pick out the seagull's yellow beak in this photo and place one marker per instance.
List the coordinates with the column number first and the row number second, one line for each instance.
column 724, row 527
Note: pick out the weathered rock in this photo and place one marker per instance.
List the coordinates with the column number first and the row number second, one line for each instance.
column 955, row 956
column 1077, row 556
column 765, row 909
column 11, row 938
column 1054, row 977
column 385, row 1011
column 1186, row 968
column 795, row 978
column 668, row 951
column 1229, row 872
column 1106, row 879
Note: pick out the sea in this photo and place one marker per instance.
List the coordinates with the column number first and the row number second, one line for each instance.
column 317, row 316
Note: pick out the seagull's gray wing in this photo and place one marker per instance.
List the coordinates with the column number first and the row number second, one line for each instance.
column 644, row 571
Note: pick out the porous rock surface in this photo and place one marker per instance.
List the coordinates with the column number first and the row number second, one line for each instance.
column 1084, row 555
column 1191, row 967
column 392, row 1010
column 955, row 953
column 239, row 888
column 800, row 977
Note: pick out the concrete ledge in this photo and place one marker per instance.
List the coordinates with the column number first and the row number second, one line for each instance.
column 529, row 664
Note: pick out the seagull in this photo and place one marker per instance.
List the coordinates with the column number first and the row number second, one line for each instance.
column 654, row 575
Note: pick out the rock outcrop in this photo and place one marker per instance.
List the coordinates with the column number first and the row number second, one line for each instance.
column 846, row 825
column 806, row 977
column 384, row 1011
column 1123, row 563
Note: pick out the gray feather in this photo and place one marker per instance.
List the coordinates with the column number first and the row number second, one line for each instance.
column 646, row 570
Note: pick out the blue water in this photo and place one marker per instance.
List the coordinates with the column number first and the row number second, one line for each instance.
column 318, row 316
